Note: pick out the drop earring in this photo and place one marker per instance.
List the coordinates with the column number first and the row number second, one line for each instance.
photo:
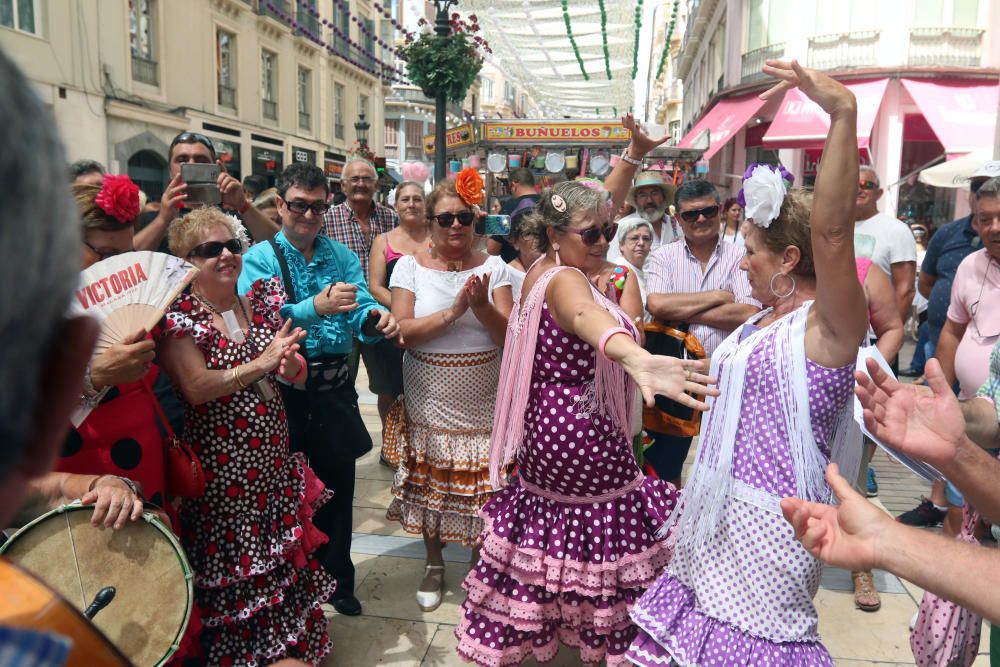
column 555, row 247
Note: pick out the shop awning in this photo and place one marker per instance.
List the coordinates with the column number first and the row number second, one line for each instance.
column 723, row 121
column 963, row 114
column 801, row 123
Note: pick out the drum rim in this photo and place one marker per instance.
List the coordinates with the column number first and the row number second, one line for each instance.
column 149, row 518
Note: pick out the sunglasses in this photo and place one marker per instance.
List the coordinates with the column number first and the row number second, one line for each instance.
column 464, row 218
column 212, row 249
column 103, row 254
column 868, row 185
column 301, row 208
column 591, row 235
column 692, row 216
column 189, row 138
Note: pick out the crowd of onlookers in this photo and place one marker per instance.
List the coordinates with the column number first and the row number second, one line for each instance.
column 254, row 367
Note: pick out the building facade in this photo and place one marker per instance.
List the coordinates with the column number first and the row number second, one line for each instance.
column 255, row 76
column 665, row 97
column 925, row 73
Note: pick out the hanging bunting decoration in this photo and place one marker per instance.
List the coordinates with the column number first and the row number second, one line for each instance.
column 666, row 45
column 604, row 38
column 572, row 41
column 638, row 29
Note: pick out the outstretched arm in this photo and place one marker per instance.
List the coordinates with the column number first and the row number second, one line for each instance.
column 840, row 301
column 619, row 180
column 859, row 536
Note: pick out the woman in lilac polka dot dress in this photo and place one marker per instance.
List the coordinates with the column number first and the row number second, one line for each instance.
column 739, row 588
column 571, row 543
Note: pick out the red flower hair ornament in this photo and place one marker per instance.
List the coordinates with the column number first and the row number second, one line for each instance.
column 119, row 198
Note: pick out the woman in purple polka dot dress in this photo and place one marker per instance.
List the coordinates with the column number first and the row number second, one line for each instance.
column 571, row 543
column 739, row 588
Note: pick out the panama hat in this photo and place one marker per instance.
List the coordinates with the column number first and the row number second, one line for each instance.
column 655, row 179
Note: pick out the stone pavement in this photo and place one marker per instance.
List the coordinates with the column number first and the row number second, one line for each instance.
column 393, row 630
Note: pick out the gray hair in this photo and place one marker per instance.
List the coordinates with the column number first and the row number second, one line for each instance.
column 43, row 271
column 990, row 188
column 577, row 199
column 629, row 224
column 363, row 161
column 84, row 167
column 868, row 168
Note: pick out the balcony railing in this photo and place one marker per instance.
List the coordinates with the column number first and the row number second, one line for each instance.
column 754, row 60
column 280, row 5
column 145, row 70
column 305, row 120
column 949, row 47
column 270, row 109
column 227, row 97
column 844, row 50
column 306, row 20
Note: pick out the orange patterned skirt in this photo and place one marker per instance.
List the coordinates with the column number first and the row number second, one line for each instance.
column 438, row 437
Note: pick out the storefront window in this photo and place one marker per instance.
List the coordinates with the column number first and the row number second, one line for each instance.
column 267, row 162
column 229, row 153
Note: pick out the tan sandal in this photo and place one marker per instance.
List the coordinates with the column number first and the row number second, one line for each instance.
column 866, row 597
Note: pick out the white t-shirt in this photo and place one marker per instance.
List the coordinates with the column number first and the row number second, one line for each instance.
column 885, row 241
column 436, row 290
column 671, row 232
column 516, row 281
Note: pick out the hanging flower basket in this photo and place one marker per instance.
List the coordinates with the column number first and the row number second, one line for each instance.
column 445, row 64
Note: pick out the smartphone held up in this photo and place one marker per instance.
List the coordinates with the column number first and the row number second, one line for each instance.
column 202, row 183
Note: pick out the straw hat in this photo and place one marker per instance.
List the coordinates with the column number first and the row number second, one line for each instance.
column 651, row 178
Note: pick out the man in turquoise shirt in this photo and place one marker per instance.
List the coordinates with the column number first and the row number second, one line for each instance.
column 329, row 298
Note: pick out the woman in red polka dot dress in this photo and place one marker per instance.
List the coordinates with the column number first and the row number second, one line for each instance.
column 250, row 537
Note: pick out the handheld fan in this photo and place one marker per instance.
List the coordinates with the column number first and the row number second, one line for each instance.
column 129, row 292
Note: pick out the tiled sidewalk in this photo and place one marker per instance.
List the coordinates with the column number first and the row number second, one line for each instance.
column 393, row 630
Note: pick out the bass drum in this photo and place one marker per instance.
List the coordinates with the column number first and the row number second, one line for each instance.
column 667, row 416
column 143, row 561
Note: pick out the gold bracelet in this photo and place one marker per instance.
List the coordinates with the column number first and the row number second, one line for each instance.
column 236, row 376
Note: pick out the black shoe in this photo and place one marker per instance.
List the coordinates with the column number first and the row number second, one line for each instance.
column 924, row 515
column 910, row 373
column 348, row 606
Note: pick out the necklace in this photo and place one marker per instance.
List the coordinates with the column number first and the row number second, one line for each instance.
column 208, row 304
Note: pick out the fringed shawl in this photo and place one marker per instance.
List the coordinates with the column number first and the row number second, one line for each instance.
column 610, row 393
column 711, row 481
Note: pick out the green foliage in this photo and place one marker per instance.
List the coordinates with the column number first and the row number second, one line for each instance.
column 448, row 64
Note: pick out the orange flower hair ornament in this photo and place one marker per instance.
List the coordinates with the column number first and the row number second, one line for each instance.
column 469, row 185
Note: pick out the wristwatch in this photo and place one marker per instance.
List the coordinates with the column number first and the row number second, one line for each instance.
column 631, row 160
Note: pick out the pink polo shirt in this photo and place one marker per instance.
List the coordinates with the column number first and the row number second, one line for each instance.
column 975, row 302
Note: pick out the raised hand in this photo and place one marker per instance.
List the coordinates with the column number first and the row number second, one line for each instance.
column 233, row 196
column 336, row 298
column 847, row 536
column 124, row 362
column 922, row 424
column 640, row 143
column 831, row 95
column 173, row 197
column 670, row 377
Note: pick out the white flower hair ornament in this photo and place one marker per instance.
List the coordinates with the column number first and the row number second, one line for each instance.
column 764, row 189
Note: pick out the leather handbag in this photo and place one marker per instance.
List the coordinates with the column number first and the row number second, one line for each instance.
column 182, row 471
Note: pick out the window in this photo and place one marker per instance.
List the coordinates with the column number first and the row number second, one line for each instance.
column 392, row 138
column 850, row 16
column 269, row 84
column 342, row 17
column 946, row 13
column 305, row 99
column 369, row 33
column 141, row 16
column 19, row 14
column 225, row 62
column 487, row 89
column 508, row 92
column 415, row 140
column 338, row 111
column 766, row 23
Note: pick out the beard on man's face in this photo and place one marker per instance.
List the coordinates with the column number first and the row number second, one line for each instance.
column 652, row 213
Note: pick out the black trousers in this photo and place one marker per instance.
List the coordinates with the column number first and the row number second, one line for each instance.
column 667, row 454
column 337, row 473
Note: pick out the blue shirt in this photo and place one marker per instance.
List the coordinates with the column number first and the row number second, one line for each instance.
column 332, row 262
column 946, row 250
column 29, row 648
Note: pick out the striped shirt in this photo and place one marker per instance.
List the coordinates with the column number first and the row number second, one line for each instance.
column 672, row 268
column 340, row 224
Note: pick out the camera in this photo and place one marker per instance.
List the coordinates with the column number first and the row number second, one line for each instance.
column 202, row 183
column 493, row 225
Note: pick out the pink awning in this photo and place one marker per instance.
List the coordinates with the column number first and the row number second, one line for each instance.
column 801, row 123
column 962, row 113
column 723, row 121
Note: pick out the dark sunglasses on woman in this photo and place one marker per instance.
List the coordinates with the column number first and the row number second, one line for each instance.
column 465, row 218
column 592, row 235
column 708, row 212
column 212, row 249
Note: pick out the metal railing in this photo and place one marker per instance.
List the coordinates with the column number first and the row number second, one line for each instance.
column 145, row 70
column 305, row 120
column 752, row 61
column 306, row 20
column 270, row 109
column 227, row 96
column 844, row 49
column 949, row 47
column 280, row 5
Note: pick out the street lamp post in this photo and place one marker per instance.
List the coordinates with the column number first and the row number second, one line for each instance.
column 442, row 28
column 361, row 128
